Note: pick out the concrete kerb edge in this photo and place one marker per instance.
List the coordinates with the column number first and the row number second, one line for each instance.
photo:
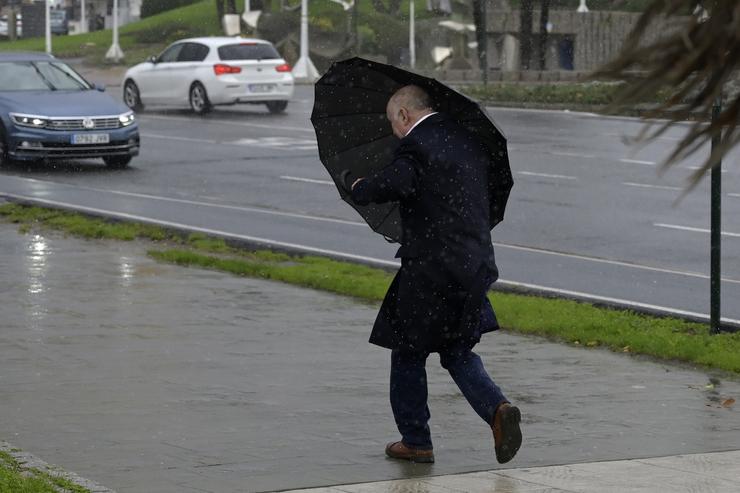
column 29, row 462
column 388, row 266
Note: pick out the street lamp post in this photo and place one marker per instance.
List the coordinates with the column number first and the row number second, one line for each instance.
column 304, row 70
column 114, row 52
column 83, row 17
column 412, row 35
column 47, row 28
column 715, row 261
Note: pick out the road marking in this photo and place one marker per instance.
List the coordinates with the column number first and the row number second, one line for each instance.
column 637, row 161
column 215, row 232
column 733, row 194
column 216, row 205
column 572, row 154
column 173, row 137
column 349, row 256
column 545, row 175
column 611, row 262
column 227, row 122
column 276, row 143
column 362, row 224
column 657, row 187
column 286, row 143
column 695, row 168
column 307, row 180
column 617, row 301
column 695, row 230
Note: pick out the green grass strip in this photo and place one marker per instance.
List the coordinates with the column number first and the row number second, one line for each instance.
column 563, row 320
column 15, row 479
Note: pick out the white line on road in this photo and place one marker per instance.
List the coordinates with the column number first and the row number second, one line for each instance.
column 611, row 262
column 637, row 161
column 227, row 122
column 545, row 175
column 221, row 206
column 657, row 187
column 572, row 154
column 695, row 168
column 606, row 299
column 349, row 256
column 362, row 224
column 695, row 230
column 733, row 194
column 173, row 137
column 307, row 180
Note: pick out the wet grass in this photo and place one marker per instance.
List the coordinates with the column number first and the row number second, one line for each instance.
column 572, row 322
column 14, row 478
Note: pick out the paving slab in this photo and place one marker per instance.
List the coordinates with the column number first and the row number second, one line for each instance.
column 150, row 377
column 686, row 473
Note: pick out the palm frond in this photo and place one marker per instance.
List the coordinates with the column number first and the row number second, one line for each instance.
column 693, row 60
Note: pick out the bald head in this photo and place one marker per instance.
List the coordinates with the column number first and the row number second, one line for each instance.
column 405, row 107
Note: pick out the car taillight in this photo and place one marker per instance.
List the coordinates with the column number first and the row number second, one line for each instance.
column 283, row 68
column 221, row 69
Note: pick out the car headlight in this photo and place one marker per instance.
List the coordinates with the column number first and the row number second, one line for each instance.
column 126, row 119
column 33, row 121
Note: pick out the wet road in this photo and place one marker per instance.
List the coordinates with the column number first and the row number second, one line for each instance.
column 154, row 378
column 587, row 216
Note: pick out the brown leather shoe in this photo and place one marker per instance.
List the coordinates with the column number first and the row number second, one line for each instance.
column 507, row 435
column 398, row 450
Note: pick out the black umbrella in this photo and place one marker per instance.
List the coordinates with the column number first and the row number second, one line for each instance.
column 353, row 132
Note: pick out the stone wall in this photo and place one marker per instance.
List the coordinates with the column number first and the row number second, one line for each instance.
column 596, row 37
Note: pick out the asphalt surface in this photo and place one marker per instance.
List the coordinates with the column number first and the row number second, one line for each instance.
column 147, row 377
column 588, row 215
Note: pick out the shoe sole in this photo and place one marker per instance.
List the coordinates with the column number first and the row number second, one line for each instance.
column 412, row 458
column 512, row 434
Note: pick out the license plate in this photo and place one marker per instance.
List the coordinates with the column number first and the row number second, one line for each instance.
column 91, row 138
column 261, row 87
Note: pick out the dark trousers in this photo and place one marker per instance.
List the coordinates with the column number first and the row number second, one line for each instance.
column 409, row 390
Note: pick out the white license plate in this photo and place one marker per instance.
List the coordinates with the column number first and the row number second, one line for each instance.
column 261, row 87
column 91, row 138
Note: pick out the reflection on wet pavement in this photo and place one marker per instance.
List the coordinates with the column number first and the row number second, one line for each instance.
column 156, row 378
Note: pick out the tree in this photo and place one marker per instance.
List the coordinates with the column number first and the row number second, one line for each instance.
column 544, row 21
column 692, row 62
column 525, row 33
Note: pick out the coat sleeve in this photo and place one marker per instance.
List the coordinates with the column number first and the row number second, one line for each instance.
column 399, row 180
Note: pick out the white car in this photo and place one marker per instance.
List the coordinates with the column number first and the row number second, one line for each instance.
column 204, row 72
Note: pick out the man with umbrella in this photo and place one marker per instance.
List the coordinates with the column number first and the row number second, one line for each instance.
column 439, row 176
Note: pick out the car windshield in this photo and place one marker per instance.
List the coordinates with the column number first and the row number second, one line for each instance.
column 40, row 76
column 248, row 51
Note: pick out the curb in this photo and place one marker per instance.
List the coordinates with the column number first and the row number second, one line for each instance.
column 392, row 266
column 29, row 463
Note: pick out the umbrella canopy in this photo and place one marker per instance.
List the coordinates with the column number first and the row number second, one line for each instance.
column 353, row 132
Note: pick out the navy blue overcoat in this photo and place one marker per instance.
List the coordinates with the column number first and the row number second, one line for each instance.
column 439, row 176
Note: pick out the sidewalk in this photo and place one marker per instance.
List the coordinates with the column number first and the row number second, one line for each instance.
column 716, row 473
column 147, row 377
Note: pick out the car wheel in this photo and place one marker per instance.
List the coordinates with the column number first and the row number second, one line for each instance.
column 131, row 96
column 199, row 102
column 277, row 106
column 117, row 162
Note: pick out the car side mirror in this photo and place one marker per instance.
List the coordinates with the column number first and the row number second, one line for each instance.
column 99, row 87
column 153, row 59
